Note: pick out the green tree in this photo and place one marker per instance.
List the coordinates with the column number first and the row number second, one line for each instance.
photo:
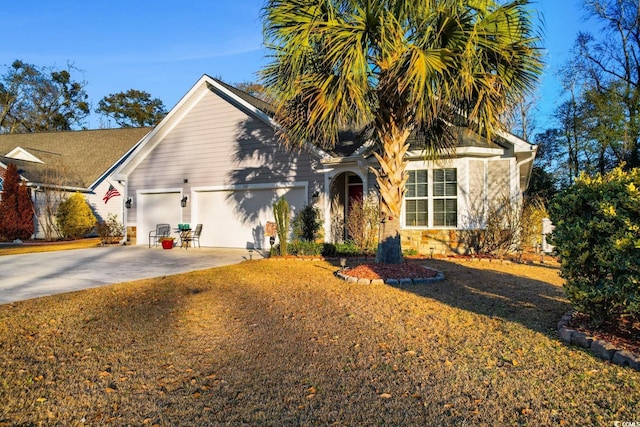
column 16, row 208
column 609, row 63
column 307, row 223
column 36, row 99
column 75, row 218
column 254, row 89
column 132, row 108
column 396, row 66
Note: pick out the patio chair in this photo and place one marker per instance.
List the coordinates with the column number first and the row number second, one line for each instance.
column 162, row 230
column 194, row 236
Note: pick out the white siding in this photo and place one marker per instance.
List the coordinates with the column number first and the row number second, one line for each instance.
column 213, row 143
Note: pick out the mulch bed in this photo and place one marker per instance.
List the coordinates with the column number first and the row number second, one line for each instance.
column 391, row 271
column 624, row 334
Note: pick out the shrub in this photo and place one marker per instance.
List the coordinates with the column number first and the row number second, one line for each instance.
column 348, row 248
column 74, row 217
column 282, row 217
column 495, row 230
column 302, row 247
column 533, row 213
column 110, row 230
column 307, row 223
column 363, row 222
column 16, row 208
column 597, row 235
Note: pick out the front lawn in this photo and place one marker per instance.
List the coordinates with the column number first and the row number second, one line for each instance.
column 43, row 246
column 286, row 343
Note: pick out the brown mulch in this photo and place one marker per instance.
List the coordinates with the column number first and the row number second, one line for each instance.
column 624, row 333
column 404, row 270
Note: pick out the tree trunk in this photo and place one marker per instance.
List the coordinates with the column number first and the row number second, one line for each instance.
column 389, row 247
column 391, row 179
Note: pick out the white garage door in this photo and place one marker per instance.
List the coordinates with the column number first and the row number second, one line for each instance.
column 237, row 218
column 157, row 208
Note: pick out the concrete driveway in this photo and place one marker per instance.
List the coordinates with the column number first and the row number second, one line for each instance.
column 47, row 273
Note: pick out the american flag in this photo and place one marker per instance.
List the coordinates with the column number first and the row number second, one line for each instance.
column 111, row 192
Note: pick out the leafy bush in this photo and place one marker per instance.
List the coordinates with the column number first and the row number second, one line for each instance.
column 16, row 209
column 307, row 223
column 74, row 217
column 110, row 230
column 597, row 235
column 302, row 247
column 282, row 216
column 533, row 213
column 348, row 248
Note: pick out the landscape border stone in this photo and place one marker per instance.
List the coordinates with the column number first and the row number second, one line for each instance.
column 601, row 348
column 405, row 281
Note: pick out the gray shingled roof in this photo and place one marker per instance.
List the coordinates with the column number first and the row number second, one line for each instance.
column 349, row 140
column 82, row 156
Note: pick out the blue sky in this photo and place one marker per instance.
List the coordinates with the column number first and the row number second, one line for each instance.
column 164, row 47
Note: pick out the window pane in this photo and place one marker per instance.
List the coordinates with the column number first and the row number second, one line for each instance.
column 451, row 189
column 354, row 179
column 421, row 219
column 412, row 178
column 416, row 212
column 410, row 219
column 450, row 175
column 438, row 189
column 411, row 190
column 421, row 176
column 421, row 190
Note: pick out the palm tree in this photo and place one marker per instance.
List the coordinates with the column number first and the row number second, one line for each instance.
column 396, row 66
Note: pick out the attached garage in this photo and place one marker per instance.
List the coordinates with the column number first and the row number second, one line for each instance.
column 236, row 217
column 160, row 207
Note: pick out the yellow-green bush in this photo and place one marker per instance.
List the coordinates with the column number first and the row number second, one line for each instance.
column 74, row 217
column 597, row 235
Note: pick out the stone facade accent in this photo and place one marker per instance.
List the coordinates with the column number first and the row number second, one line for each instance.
column 132, row 235
column 432, row 242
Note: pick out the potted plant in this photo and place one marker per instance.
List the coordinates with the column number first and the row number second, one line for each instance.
column 167, row 242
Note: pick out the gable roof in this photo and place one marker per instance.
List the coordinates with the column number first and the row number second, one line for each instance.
column 83, row 157
column 206, row 84
column 355, row 142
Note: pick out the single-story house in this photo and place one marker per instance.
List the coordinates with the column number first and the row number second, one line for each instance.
column 215, row 160
column 54, row 164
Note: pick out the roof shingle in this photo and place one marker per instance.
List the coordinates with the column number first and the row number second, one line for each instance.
column 83, row 156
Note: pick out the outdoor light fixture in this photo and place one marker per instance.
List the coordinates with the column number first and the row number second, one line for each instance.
column 127, row 204
column 315, row 195
column 183, row 202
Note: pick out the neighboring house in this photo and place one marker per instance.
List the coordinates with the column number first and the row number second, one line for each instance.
column 215, row 160
column 54, row 164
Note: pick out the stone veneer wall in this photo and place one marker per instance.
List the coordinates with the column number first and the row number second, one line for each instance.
column 132, row 236
column 443, row 242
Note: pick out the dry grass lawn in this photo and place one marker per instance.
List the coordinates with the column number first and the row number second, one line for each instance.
column 30, row 247
column 275, row 342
